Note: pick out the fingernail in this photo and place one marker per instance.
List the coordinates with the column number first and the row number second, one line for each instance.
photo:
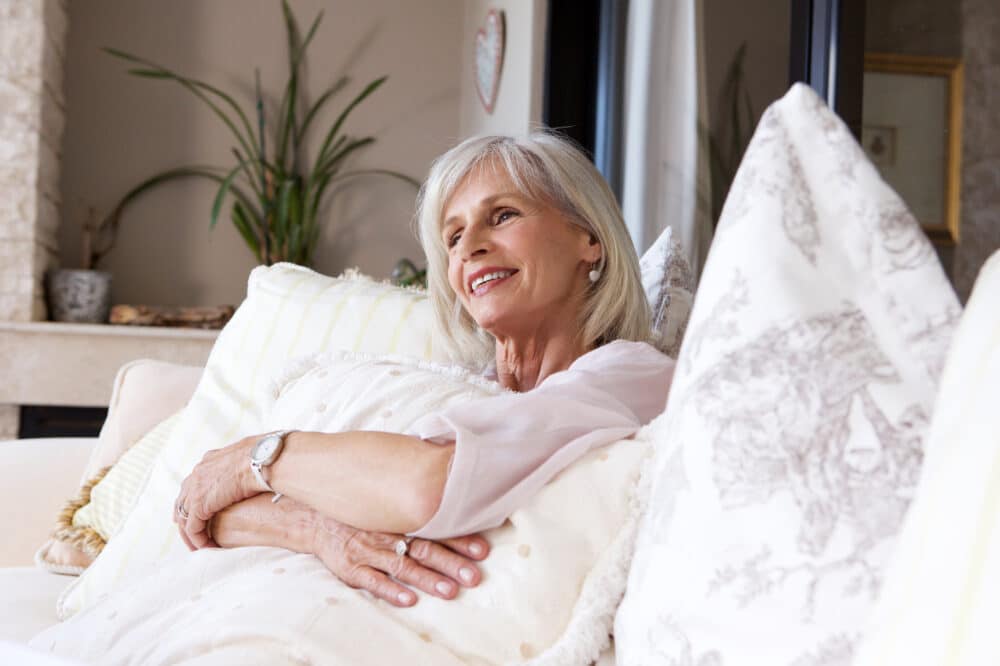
column 475, row 549
column 466, row 574
column 443, row 587
column 405, row 598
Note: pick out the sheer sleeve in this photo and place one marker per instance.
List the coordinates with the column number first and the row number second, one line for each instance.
column 507, row 447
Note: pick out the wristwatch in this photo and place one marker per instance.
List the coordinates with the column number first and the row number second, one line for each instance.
column 264, row 453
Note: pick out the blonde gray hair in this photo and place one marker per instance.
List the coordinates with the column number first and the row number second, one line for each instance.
column 548, row 169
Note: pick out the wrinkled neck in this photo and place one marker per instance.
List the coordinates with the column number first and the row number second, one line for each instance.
column 523, row 364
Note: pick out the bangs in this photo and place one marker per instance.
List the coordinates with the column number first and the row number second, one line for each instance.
column 499, row 157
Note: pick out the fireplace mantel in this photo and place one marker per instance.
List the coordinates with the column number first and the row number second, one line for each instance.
column 49, row 363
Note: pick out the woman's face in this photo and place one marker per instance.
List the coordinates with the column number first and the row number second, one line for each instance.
column 517, row 265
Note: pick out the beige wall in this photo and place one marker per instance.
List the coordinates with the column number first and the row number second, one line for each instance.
column 519, row 97
column 121, row 129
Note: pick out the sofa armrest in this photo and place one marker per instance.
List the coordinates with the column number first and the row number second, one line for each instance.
column 38, row 477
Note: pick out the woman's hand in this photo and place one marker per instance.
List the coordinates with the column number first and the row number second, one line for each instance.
column 368, row 560
column 221, row 479
column 365, row 560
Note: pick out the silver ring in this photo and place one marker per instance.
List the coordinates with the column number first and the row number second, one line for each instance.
column 182, row 512
column 403, row 546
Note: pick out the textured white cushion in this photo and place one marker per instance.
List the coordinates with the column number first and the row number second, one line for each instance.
column 289, row 311
column 555, row 573
column 113, row 497
column 793, row 436
column 942, row 594
column 28, row 601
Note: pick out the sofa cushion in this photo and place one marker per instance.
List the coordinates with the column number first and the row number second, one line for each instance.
column 792, row 440
column 87, row 521
column 940, row 603
column 145, row 392
column 28, row 601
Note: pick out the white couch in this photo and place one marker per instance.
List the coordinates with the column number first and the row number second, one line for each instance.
column 39, row 476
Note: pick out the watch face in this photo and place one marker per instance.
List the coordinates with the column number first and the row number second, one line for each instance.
column 266, row 449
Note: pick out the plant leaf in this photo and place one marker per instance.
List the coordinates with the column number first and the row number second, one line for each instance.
column 289, row 99
column 341, row 155
column 112, row 221
column 318, row 104
column 198, row 88
column 245, row 228
column 369, row 89
column 149, row 73
column 377, row 172
column 221, row 194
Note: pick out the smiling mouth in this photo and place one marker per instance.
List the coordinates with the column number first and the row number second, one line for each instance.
column 484, row 283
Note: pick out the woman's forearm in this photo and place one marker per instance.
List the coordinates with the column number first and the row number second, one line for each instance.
column 258, row 521
column 374, row 481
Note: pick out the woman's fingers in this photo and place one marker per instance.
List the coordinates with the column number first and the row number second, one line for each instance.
column 215, row 482
column 377, row 550
column 473, row 546
column 194, row 530
column 381, row 586
column 444, row 560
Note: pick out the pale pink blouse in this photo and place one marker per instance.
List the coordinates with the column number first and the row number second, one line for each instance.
column 508, row 446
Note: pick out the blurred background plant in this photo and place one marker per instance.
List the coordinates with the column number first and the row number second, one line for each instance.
column 406, row 274
column 731, row 137
column 276, row 199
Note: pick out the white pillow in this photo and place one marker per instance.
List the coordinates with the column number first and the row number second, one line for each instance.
column 941, row 598
column 550, row 585
column 793, row 436
column 289, row 311
column 669, row 284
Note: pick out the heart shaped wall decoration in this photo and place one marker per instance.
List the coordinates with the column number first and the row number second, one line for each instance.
column 489, row 58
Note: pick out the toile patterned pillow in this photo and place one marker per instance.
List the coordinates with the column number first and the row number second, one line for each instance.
column 793, row 438
column 669, row 284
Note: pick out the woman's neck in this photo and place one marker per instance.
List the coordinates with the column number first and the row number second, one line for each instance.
column 524, row 364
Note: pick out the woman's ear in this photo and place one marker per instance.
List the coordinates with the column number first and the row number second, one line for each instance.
column 594, row 251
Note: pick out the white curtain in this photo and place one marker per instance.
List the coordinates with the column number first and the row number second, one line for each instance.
column 666, row 171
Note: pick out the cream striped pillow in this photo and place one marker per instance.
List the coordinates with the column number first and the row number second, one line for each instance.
column 289, row 311
column 941, row 598
column 115, row 494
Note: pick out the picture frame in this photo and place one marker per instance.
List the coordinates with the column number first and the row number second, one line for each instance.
column 912, row 133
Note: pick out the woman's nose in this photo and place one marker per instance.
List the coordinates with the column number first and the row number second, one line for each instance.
column 473, row 243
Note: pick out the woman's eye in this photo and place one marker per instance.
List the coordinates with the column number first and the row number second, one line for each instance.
column 504, row 215
column 453, row 239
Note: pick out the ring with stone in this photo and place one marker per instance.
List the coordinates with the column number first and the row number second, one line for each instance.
column 403, row 546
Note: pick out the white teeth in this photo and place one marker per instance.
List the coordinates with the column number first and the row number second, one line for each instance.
column 483, row 279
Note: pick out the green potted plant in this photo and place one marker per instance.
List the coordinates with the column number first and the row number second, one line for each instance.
column 275, row 195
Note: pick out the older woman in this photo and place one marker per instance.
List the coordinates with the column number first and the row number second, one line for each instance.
column 534, row 279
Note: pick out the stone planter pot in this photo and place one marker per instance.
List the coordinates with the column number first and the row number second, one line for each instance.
column 79, row 296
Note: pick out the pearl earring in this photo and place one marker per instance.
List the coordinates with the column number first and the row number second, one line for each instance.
column 594, row 274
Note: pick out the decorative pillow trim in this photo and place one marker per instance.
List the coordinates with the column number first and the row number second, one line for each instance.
column 352, row 275
column 86, row 539
column 42, row 561
column 298, row 367
column 589, row 632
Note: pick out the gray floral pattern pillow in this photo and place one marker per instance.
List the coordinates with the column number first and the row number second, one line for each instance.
column 669, row 284
column 793, row 438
